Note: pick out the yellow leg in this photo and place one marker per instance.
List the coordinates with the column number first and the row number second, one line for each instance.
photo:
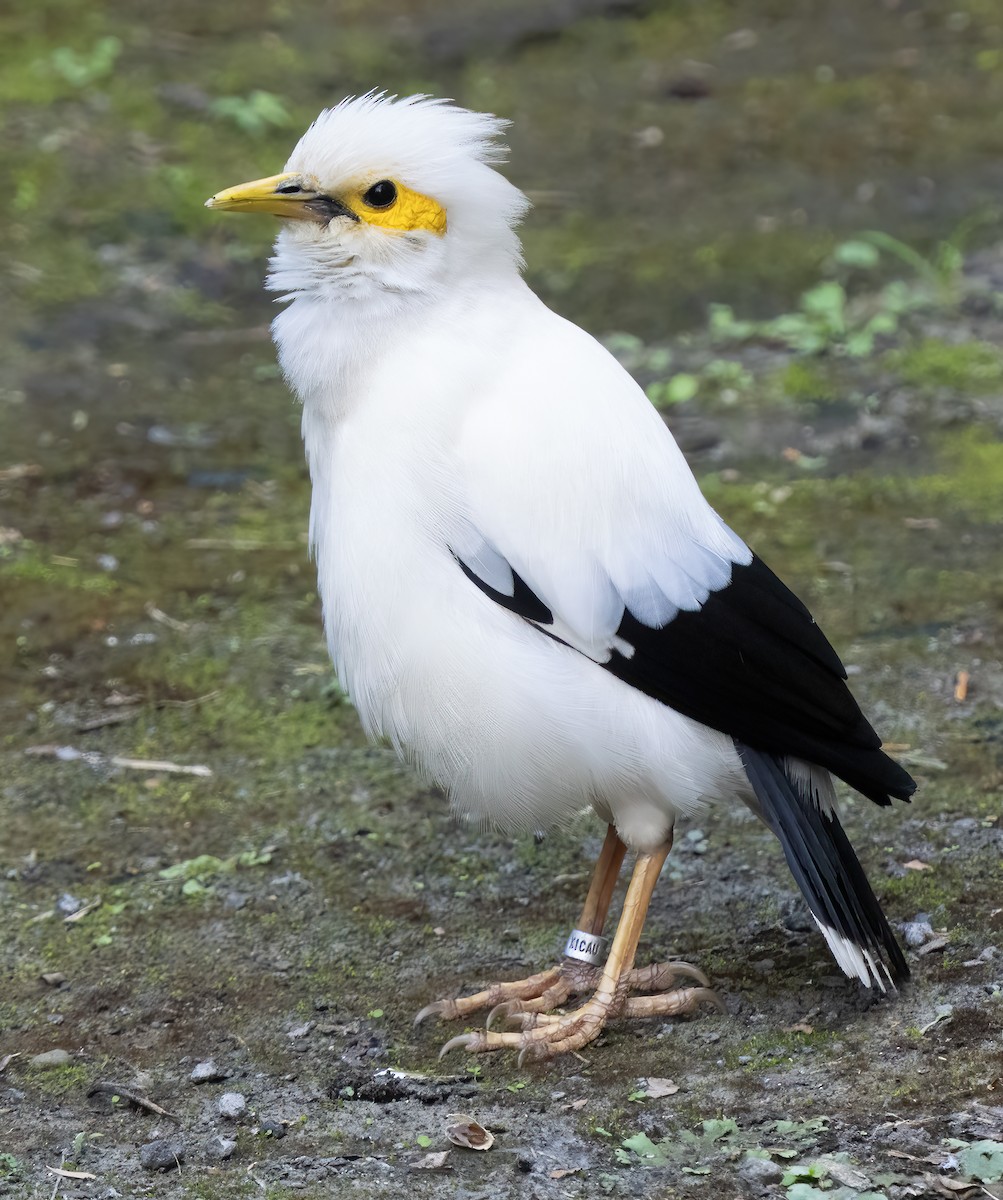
column 604, row 877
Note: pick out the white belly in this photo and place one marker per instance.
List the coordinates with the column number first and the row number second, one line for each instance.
column 521, row 731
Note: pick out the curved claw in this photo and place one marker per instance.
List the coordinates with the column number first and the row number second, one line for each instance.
column 462, row 1039
column 690, row 971
column 500, row 1010
column 438, row 1008
column 708, row 994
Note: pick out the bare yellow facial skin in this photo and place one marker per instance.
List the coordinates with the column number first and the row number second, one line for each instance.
column 385, row 204
column 410, row 210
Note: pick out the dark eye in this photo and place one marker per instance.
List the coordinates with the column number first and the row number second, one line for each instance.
column 288, row 189
column 381, row 195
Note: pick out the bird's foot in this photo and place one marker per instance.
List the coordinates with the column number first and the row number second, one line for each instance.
column 548, row 988
column 542, row 1033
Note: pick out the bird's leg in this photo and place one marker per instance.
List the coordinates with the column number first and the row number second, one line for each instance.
column 575, row 977
column 566, row 1032
column 550, row 988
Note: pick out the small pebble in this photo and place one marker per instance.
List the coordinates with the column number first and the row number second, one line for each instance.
column 50, row 1059
column 207, row 1072
column 232, row 1105
column 301, row 1031
column 916, row 933
column 220, row 1148
column 273, row 1127
column 164, row 1154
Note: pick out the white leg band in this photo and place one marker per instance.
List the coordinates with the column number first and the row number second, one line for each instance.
column 586, row 947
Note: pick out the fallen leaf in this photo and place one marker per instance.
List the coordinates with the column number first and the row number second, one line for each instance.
column 657, row 1088
column 70, row 1174
column 560, row 1172
column 961, row 682
column 937, row 943
column 467, row 1132
column 575, row 1105
column 951, row 1187
column 82, row 912
column 917, row 864
column 435, row 1160
column 942, row 1012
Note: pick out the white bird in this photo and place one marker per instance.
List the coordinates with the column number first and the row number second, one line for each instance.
column 524, row 589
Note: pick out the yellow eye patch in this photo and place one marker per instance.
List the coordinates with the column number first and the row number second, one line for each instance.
column 391, row 205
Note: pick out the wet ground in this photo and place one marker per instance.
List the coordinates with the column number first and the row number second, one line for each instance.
column 200, row 857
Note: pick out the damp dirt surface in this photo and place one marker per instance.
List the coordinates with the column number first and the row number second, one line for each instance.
column 221, row 908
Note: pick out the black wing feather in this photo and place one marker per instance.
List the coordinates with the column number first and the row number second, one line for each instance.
column 751, row 663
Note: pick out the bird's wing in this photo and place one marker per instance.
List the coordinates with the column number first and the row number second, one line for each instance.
column 585, row 520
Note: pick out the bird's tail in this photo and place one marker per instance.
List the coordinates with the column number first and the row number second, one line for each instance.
column 827, row 871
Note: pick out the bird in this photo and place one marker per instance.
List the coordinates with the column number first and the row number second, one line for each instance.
column 524, row 591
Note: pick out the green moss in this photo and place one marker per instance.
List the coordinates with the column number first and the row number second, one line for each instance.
column 58, row 1081
column 805, row 381
column 32, row 564
column 974, row 367
column 773, row 1048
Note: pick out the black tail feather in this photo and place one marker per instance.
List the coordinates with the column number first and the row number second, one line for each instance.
column 825, row 868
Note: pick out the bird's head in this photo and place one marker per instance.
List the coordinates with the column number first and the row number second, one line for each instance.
column 388, row 196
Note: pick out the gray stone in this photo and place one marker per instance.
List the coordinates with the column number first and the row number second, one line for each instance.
column 207, row 1072
column 164, row 1154
column 220, row 1148
column 50, row 1059
column 760, row 1171
column 232, row 1105
column 272, row 1127
column 916, row 933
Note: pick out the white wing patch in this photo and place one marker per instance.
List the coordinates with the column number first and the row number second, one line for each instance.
column 588, row 606
column 479, row 556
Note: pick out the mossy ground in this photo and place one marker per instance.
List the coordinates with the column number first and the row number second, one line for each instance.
column 158, row 604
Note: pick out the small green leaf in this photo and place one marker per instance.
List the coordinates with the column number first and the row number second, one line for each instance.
column 423, row 1140
column 981, row 1160
column 644, row 1147
column 682, row 388
column 716, row 1130
column 802, row 1172
column 805, row 1191
column 860, row 255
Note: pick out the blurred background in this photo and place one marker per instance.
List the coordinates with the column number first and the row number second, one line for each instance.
column 784, row 217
